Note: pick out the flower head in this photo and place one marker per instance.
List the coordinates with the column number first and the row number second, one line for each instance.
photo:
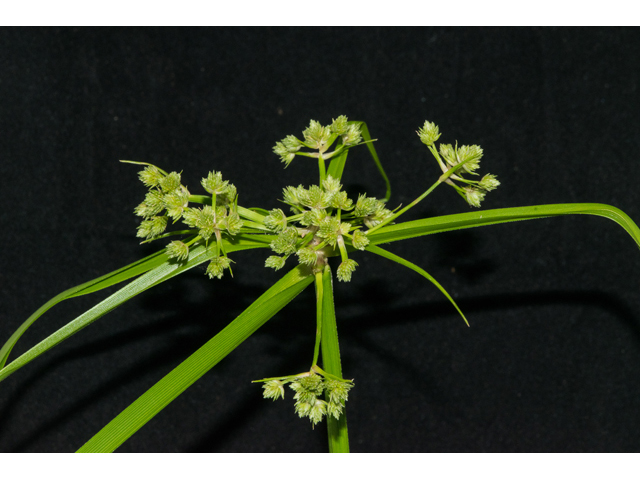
column 275, row 262
column 353, row 135
column 217, row 266
column 273, row 389
column 489, row 182
column 429, row 133
column 178, row 250
column 359, row 240
column 214, row 184
column 283, row 152
column 316, row 136
column 474, row 196
column 150, row 176
column 340, row 125
column 345, row 269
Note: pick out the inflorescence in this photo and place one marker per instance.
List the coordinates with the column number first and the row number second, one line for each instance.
column 323, row 222
column 309, row 388
column 169, row 199
column 462, row 160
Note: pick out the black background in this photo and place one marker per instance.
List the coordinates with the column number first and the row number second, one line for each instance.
column 552, row 359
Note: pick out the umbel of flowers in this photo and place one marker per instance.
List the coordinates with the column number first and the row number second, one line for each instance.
column 310, row 387
column 322, row 222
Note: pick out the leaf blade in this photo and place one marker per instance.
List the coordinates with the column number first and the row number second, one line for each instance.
column 338, row 432
column 336, row 167
column 459, row 221
column 395, row 258
column 372, row 150
column 159, row 274
column 125, row 273
column 195, row 366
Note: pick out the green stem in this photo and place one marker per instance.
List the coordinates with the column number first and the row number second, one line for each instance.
column 243, row 212
column 169, row 234
column 412, row 204
column 250, row 214
column 443, row 178
column 337, row 151
column 204, row 199
column 319, row 292
column 294, row 218
column 343, row 249
column 255, row 226
column 320, row 371
column 338, row 434
column 322, row 168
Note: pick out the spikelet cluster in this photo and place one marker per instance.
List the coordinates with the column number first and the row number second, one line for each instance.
column 464, row 160
column 167, row 199
column 323, row 217
column 320, row 137
column 316, row 396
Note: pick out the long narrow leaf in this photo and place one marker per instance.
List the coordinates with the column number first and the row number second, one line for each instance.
column 445, row 223
column 159, row 274
column 199, row 363
column 415, row 268
column 372, row 150
column 338, row 433
column 336, row 167
column 125, row 273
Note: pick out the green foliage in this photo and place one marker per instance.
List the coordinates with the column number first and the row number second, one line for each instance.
column 323, row 223
column 200, row 362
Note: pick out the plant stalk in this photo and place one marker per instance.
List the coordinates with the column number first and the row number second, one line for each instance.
column 338, row 434
column 319, row 308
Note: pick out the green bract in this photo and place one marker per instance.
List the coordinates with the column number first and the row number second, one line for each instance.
column 323, row 222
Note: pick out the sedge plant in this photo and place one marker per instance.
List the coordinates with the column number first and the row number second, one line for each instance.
column 315, row 223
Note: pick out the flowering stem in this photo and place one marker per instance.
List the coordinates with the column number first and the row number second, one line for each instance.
column 338, row 434
column 443, row 178
column 412, row 204
column 321, row 167
column 204, row 199
column 319, row 292
column 320, row 371
column 169, row 234
column 343, row 249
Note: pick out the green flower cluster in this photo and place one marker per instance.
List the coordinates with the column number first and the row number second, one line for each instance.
column 323, row 222
column 465, row 160
column 327, row 220
column 319, row 137
column 166, row 193
column 309, row 387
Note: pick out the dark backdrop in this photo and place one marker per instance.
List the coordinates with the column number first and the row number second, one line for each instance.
column 552, row 358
